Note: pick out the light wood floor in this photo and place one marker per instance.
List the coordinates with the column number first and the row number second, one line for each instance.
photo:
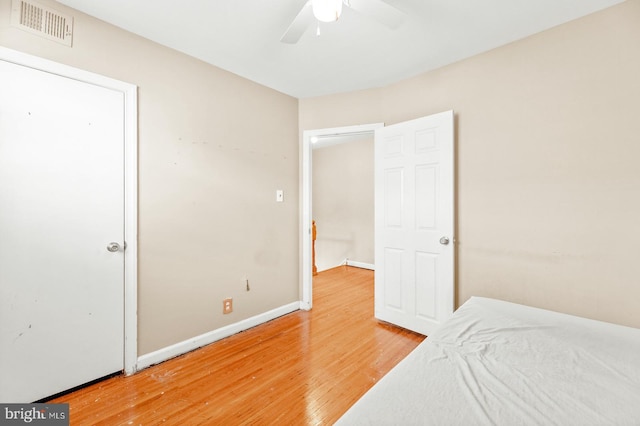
column 305, row 368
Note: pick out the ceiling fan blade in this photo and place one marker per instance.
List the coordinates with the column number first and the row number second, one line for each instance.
column 379, row 11
column 299, row 25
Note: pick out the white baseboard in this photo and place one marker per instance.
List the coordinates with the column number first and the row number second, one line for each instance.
column 188, row 345
column 362, row 265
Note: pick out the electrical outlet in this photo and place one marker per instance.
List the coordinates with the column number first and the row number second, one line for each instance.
column 227, row 306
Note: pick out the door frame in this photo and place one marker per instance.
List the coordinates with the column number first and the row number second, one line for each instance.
column 308, row 137
column 130, row 336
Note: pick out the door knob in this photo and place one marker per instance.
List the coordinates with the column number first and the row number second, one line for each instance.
column 444, row 241
column 113, row 247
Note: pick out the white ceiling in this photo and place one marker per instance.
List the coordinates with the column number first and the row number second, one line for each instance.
column 356, row 52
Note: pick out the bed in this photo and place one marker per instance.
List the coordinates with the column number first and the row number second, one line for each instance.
column 500, row 363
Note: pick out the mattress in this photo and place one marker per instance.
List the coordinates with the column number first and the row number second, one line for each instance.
column 500, row 363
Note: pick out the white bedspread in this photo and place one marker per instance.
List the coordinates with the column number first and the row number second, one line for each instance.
column 499, row 363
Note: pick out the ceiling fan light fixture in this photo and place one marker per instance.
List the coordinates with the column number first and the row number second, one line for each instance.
column 327, row 10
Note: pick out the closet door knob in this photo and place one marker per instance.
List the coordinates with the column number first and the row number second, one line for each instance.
column 113, row 247
column 444, row 241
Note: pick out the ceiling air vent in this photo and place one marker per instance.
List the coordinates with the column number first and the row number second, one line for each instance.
column 42, row 20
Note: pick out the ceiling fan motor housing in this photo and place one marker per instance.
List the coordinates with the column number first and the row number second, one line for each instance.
column 327, row 10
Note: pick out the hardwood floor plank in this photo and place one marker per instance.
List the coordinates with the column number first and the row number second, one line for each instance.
column 305, row 368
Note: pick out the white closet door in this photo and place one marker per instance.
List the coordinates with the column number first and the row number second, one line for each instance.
column 61, row 207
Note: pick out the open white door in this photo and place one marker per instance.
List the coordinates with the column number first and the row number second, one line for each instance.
column 414, row 222
column 62, row 266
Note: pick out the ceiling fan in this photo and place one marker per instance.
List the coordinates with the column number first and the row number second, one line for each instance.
column 330, row 10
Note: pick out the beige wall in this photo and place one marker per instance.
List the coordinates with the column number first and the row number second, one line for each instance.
column 213, row 149
column 548, row 175
column 548, row 180
column 343, row 202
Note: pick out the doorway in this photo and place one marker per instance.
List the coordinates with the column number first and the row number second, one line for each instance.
column 69, row 249
column 343, row 202
column 414, row 216
column 309, row 137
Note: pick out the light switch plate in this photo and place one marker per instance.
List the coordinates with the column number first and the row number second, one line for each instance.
column 279, row 195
